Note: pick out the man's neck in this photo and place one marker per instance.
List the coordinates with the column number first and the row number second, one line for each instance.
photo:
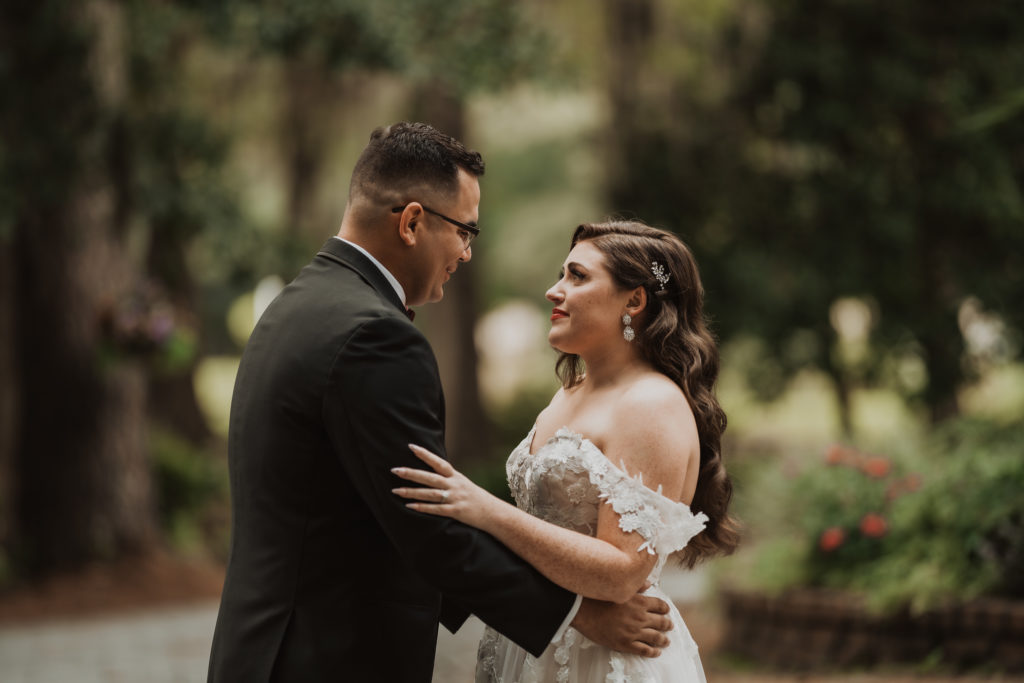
column 395, row 284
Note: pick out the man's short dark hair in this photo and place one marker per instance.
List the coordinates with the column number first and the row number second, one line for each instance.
column 409, row 157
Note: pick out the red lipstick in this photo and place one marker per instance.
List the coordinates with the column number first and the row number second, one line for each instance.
column 557, row 313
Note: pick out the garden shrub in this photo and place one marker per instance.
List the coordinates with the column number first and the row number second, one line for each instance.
column 940, row 523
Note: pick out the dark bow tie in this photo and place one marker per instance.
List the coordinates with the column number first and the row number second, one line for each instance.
column 411, row 314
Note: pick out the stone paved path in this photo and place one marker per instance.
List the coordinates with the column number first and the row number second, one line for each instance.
column 166, row 646
column 173, row 645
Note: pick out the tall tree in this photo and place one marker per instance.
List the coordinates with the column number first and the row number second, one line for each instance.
column 109, row 179
column 448, row 326
column 317, row 43
column 80, row 477
column 9, row 378
column 835, row 149
column 914, row 118
column 172, row 159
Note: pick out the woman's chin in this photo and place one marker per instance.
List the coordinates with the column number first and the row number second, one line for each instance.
column 557, row 342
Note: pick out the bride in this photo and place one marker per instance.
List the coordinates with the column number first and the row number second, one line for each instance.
column 623, row 469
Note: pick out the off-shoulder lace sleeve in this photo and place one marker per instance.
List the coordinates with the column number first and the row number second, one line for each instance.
column 666, row 525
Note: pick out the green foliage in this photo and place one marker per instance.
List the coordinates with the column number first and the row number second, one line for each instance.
column 964, row 535
column 839, row 149
column 471, row 44
column 335, row 33
column 181, row 199
column 941, row 524
column 192, row 490
column 468, row 44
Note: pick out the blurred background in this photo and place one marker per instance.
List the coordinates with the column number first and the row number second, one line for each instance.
column 848, row 173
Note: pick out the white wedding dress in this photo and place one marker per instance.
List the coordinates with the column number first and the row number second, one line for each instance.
column 565, row 482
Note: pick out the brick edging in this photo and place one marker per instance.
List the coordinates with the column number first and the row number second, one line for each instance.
column 817, row 629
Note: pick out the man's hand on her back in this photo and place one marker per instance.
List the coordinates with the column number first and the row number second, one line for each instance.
column 636, row 626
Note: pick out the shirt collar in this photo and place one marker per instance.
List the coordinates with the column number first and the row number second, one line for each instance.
column 380, row 266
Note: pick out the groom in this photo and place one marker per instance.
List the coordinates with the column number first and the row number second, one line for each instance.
column 330, row 576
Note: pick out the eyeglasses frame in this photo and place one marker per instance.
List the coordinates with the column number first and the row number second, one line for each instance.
column 473, row 231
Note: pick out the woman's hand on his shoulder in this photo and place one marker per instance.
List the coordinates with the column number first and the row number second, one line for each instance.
column 445, row 491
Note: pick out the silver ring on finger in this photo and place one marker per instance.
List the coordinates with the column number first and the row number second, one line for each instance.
column 444, row 495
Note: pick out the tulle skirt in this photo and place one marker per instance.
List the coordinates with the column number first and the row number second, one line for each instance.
column 576, row 659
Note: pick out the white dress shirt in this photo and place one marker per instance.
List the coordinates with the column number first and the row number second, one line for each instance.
column 380, row 266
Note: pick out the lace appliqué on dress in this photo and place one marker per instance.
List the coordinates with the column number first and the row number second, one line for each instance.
column 619, row 674
column 568, row 640
column 666, row 525
column 486, row 653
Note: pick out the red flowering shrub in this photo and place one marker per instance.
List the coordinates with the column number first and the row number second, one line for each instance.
column 835, row 454
column 907, row 484
column 873, row 525
column 864, row 523
column 876, row 467
column 846, row 510
column 831, row 538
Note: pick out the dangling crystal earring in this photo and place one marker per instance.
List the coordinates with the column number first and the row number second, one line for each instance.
column 627, row 332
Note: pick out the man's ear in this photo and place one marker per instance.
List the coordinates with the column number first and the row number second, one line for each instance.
column 637, row 301
column 409, row 223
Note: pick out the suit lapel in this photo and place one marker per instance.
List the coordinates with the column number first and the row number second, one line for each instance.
column 348, row 256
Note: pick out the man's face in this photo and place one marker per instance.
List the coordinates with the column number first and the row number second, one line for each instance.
column 439, row 246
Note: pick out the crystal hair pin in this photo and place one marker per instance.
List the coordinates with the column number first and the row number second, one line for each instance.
column 660, row 275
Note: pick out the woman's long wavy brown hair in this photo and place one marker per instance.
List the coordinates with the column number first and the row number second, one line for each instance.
column 673, row 336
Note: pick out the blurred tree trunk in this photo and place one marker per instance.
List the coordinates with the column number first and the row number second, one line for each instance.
column 842, row 386
column 9, row 378
column 302, row 149
column 628, row 31
column 82, row 480
column 164, row 154
column 172, row 399
column 938, row 333
column 451, row 323
column 306, row 127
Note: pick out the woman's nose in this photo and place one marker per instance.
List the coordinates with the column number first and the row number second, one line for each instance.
column 554, row 295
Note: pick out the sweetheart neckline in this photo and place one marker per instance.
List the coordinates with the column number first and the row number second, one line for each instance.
column 555, row 437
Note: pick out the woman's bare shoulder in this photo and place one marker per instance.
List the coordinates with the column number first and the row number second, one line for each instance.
column 655, row 398
column 654, row 428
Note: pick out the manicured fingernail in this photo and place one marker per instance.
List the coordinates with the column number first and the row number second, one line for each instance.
column 397, row 470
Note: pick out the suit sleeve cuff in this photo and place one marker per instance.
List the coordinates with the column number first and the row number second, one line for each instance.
column 568, row 619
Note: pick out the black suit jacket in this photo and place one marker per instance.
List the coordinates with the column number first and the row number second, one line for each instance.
column 330, row 576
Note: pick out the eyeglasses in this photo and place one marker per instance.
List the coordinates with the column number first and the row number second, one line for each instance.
column 466, row 232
